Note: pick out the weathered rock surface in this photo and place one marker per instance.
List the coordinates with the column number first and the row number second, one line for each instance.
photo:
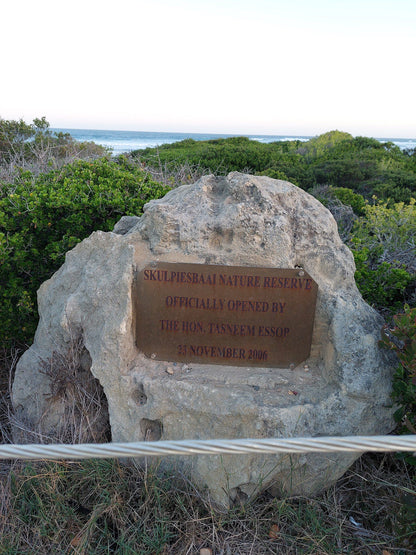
column 238, row 220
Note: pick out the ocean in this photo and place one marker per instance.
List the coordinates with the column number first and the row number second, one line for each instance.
column 125, row 141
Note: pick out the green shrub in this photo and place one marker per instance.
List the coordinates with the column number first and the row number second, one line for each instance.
column 276, row 174
column 334, row 158
column 401, row 339
column 389, row 232
column 348, row 197
column 36, row 147
column 42, row 217
column 390, row 192
column 320, row 145
column 384, row 247
column 381, row 284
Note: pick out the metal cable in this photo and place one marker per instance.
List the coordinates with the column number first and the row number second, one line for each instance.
column 209, row 447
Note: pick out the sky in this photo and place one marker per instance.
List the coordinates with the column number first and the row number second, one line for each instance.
column 212, row 66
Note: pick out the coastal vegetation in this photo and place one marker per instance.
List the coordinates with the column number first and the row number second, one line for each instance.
column 54, row 192
column 35, row 147
column 43, row 216
column 364, row 165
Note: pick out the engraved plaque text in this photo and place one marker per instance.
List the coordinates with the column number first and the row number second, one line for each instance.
column 230, row 315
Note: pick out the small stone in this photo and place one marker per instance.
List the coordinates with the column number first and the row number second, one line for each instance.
column 169, row 370
column 306, row 368
column 153, row 356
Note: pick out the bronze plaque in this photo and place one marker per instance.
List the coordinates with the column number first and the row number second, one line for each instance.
column 234, row 315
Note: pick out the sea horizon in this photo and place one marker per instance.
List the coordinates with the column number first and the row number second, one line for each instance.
column 120, row 141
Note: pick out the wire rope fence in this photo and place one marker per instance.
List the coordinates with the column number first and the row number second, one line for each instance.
column 330, row 444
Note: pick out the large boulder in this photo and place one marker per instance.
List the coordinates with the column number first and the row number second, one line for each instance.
column 239, row 220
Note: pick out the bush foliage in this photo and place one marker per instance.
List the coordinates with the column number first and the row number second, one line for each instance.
column 42, row 217
column 400, row 337
column 361, row 164
column 34, row 146
column 384, row 246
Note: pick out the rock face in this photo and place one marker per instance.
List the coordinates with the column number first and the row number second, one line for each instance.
column 240, row 220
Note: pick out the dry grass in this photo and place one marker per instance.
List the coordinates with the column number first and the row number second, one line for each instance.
column 105, row 507
column 172, row 174
column 74, row 395
column 47, row 156
column 77, row 396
